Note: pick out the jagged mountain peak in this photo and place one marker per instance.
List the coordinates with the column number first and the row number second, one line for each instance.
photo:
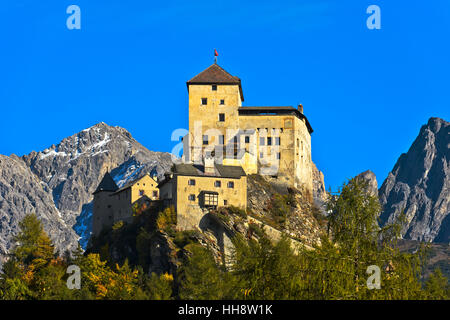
column 419, row 185
column 435, row 124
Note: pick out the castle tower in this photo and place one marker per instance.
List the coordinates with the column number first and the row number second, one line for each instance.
column 214, row 99
column 268, row 140
column 103, row 211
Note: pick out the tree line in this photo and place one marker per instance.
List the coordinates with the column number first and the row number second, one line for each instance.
column 337, row 268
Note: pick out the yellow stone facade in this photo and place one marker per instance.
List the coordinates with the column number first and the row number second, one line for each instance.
column 187, row 194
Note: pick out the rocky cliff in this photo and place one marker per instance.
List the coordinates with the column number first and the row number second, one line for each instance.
column 21, row 193
column 419, row 185
column 371, row 180
column 57, row 183
column 320, row 195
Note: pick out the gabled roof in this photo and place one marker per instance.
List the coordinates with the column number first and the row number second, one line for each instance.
column 215, row 74
column 107, row 184
column 132, row 183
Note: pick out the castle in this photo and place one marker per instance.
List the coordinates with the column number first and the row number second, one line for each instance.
column 226, row 142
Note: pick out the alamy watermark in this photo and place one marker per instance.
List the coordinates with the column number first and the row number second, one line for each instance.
column 74, row 280
column 374, row 20
column 374, row 280
column 74, row 20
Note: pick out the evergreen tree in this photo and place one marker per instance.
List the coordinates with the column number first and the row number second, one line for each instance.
column 160, row 287
column 337, row 268
column 436, row 287
column 34, row 246
column 265, row 270
column 201, row 278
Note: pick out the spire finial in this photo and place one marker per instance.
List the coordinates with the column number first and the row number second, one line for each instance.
column 216, row 54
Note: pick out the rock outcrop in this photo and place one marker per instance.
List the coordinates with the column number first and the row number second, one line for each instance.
column 369, row 177
column 419, row 185
column 320, row 195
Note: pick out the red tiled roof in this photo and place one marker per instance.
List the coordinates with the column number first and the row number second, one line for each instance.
column 215, row 74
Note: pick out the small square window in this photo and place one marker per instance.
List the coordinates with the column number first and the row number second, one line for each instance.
column 247, row 139
column 230, row 184
column 204, row 101
column 205, row 139
column 221, row 117
column 261, row 155
column 155, row 194
column 141, row 193
column 214, row 87
column 269, row 141
column 217, row 184
column 222, row 101
column 191, row 182
column 278, row 156
column 262, row 141
column 277, row 141
column 191, row 197
column 225, row 202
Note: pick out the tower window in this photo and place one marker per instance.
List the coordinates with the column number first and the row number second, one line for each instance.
column 269, row 141
column 225, row 202
column 262, row 141
column 247, row 139
column 278, row 156
column 204, row 101
column 221, row 117
column 214, row 87
column 261, row 155
column 221, row 139
column 222, row 101
column 205, row 139
column 277, row 141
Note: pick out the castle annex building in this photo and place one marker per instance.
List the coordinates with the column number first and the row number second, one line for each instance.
column 226, row 142
column 113, row 204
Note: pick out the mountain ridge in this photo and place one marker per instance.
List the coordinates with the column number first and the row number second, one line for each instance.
column 62, row 178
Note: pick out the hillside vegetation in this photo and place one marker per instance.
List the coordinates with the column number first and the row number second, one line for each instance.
column 150, row 259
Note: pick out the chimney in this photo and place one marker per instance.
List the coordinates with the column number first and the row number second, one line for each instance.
column 209, row 164
column 300, row 108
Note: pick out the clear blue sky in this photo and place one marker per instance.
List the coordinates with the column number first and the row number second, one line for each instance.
column 365, row 92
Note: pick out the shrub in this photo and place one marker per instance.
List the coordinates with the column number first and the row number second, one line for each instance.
column 184, row 238
column 237, row 211
column 280, row 207
column 117, row 225
column 166, row 219
column 256, row 229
